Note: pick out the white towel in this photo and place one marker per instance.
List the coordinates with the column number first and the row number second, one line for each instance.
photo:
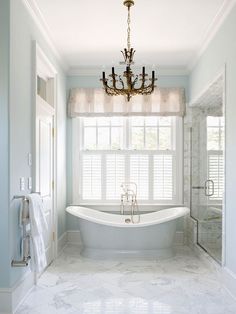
column 23, row 213
column 38, row 226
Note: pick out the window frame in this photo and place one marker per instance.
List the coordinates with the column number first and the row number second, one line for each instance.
column 77, row 142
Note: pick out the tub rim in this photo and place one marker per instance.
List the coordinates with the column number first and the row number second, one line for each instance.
column 116, row 220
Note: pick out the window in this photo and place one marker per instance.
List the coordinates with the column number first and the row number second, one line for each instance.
column 151, row 133
column 103, row 133
column 215, row 143
column 144, row 150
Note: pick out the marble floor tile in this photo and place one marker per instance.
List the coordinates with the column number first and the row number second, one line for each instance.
column 183, row 284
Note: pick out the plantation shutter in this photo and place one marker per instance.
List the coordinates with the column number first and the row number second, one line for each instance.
column 115, row 175
column 163, row 177
column 216, row 174
column 139, row 173
column 91, row 174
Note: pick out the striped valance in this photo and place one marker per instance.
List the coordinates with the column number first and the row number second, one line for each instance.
column 94, row 102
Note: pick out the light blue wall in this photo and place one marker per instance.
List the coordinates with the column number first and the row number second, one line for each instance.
column 93, row 81
column 222, row 51
column 4, row 154
column 23, row 32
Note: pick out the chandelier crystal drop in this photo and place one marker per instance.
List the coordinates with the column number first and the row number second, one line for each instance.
column 127, row 84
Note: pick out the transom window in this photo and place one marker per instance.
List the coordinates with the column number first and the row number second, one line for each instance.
column 144, row 150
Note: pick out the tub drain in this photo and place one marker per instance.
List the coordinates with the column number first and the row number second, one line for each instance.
column 127, row 220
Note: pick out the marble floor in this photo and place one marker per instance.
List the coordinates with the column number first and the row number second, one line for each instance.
column 180, row 285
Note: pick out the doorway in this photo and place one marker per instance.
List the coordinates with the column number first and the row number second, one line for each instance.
column 45, row 146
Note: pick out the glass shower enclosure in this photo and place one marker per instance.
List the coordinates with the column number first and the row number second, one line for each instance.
column 207, row 171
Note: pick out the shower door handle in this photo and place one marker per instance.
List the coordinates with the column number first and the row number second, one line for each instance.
column 198, row 187
column 207, row 188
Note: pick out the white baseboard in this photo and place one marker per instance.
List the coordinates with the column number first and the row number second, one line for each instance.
column 73, row 237
column 5, row 301
column 10, row 299
column 61, row 242
column 229, row 280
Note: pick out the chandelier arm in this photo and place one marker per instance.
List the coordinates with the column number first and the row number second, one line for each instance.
column 143, row 78
column 113, row 76
column 141, row 88
column 128, row 91
column 121, row 81
column 131, row 89
column 134, row 82
column 144, row 90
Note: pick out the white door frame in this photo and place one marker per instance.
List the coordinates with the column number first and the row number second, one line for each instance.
column 41, row 64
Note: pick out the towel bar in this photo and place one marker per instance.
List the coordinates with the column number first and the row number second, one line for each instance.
column 26, row 237
column 24, row 197
column 23, row 263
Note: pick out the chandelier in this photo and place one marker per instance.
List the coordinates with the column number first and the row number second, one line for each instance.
column 128, row 84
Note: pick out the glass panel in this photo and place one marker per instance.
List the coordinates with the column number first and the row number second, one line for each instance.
column 89, row 121
column 164, row 138
column 89, row 138
column 103, row 138
column 222, row 138
column 103, row 121
column 137, row 121
column 116, row 138
column 151, row 121
column 116, row 121
column 137, row 138
column 151, row 138
column 212, row 121
column 213, row 138
column 207, row 142
column 165, row 121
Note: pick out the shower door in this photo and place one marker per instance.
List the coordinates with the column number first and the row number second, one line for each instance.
column 207, row 177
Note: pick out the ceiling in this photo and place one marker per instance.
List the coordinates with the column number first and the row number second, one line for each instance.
column 165, row 33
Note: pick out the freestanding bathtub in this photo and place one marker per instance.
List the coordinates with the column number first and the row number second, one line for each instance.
column 107, row 235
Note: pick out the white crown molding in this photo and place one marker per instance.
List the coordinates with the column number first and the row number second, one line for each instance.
column 97, row 71
column 195, row 100
column 218, row 20
column 39, row 20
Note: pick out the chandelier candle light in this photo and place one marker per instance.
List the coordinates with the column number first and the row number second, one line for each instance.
column 116, row 85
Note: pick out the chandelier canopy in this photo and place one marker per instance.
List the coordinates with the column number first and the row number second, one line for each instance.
column 127, row 84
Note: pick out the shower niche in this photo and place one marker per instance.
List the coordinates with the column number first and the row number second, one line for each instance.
column 207, row 167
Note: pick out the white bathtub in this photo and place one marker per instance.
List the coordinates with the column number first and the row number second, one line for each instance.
column 108, row 235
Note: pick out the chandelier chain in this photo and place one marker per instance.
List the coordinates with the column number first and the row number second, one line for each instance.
column 128, row 30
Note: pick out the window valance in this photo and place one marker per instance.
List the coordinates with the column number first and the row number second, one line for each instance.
column 94, row 102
